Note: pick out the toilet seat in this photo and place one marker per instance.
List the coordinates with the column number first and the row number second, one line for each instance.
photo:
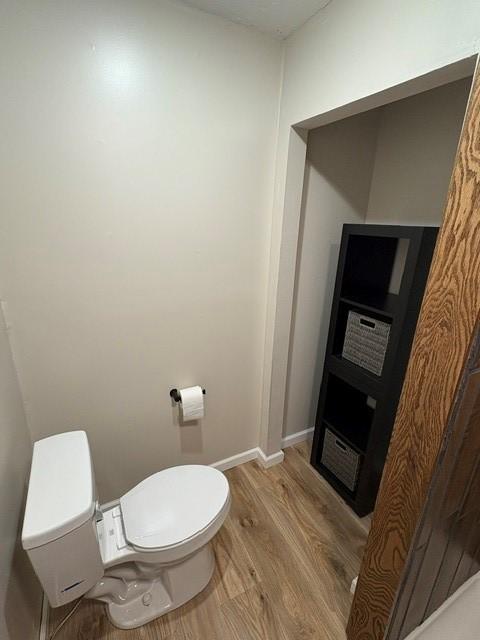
column 175, row 507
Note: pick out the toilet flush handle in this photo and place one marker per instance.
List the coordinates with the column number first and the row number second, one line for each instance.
column 98, row 512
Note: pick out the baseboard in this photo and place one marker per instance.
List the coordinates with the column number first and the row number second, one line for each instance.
column 234, row 461
column 247, row 456
column 269, row 461
column 295, row 438
column 44, row 619
column 259, row 455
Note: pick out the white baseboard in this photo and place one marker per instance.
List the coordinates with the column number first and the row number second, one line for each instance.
column 295, row 438
column 44, row 619
column 259, row 455
column 252, row 454
column 269, row 461
column 234, row 461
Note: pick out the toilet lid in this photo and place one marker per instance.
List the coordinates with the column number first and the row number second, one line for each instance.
column 173, row 505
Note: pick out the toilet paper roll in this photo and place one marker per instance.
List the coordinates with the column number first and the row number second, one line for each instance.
column 192, row 403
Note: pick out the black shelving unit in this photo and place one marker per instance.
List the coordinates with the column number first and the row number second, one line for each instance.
column 357, row 406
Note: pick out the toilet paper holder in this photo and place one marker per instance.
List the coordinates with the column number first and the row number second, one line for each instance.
column 176, row 396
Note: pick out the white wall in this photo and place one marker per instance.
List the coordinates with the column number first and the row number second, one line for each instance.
column 19, row 590
column 348, row 51
column 416, row 147
column 338, row 173
column 136, row 173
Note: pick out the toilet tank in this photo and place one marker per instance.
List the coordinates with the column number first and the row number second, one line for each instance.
column 59, row 530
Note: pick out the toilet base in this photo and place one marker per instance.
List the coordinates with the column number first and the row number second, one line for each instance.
column 146, row 597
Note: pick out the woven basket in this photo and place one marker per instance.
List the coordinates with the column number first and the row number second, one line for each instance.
column 366, row 342
column 340, row 459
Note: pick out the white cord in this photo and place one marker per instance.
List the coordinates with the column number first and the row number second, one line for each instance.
column 67, row 617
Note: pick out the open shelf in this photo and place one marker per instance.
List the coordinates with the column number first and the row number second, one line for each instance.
column 385, row 304
column 382, row 272
column 347, row 413
column 354, row 374
column 349, row 439
column 348, row 367
column 368, row 264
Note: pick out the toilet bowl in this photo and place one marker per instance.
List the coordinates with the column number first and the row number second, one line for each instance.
column 143, row 556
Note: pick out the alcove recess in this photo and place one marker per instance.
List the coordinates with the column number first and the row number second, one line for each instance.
column 382, row 272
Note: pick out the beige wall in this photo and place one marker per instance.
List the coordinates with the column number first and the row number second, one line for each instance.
column 387, row 166
column 347, row 52
column 417, row 141
column 136, row 176
column 338, row 172
column 137, row 164
column 19, row 590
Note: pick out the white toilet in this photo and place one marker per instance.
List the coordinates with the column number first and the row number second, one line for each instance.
column 144, row 556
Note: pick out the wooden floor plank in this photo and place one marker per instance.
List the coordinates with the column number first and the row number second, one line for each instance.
column 235, row 570
column 276, row 563
column 254, row 616
column 322, row 523
column 303, row 450
column 284, row 561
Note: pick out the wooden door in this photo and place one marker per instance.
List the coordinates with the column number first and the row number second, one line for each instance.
column 446, row 548
column 439, row 358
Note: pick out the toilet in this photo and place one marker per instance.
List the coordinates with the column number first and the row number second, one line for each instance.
column 144, row 555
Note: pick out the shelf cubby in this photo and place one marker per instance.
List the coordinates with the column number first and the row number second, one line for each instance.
column 344, row 308
column 384, row 304
column 349, row 412
column 382, row 272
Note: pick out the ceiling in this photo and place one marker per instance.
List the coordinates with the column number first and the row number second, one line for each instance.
column 277, row 17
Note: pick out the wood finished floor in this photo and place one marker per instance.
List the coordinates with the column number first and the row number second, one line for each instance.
column 286, row 556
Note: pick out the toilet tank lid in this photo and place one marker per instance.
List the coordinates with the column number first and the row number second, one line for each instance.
column 61, row 490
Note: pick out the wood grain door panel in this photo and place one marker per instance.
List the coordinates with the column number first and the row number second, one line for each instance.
column 452, row 531
column 442, row 349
